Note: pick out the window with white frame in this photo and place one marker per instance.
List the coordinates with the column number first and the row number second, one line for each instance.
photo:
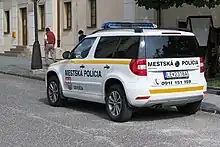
column 41, row 23
column 6, row 22
column 91, row 13
column 67, row 15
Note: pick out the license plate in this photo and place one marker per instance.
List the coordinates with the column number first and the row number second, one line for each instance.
column 176, row 75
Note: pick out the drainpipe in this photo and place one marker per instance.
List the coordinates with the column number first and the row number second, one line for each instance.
column 158, row 17
column 77, row 23
column 58, row 23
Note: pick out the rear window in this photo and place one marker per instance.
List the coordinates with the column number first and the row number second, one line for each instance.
column 171, row 46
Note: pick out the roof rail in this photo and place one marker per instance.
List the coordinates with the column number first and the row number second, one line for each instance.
column 135, row 29
column 177, row 29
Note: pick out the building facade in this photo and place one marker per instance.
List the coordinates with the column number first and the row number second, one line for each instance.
column 64, row 17
column 173, row 17
column 134, row 13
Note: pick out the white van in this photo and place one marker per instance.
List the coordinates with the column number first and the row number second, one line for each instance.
column 129, row 67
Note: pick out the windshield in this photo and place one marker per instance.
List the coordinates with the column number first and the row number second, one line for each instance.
column 171, row 46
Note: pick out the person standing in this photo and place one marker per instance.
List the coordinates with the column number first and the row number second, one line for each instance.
column 49, row 42
column 81, row 35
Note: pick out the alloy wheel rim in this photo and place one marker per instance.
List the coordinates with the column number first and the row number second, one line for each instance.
column 114, row 103
column 53, row 92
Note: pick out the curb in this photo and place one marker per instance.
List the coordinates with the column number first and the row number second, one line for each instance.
column 24, row 76
column 210, row 110
column 210, row 107
column 214, row 88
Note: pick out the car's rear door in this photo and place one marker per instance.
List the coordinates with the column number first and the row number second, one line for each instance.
column 100, row 65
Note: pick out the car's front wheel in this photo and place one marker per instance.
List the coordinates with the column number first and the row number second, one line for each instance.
column 190, row 108
column 54, row 92
column 117, row 105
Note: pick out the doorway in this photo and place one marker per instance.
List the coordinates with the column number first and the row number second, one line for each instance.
column 24, row 25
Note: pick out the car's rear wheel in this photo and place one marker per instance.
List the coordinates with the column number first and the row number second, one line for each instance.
column 117, row 105
column 190, row 108
column 54, row 92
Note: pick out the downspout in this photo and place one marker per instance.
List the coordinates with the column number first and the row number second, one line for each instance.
column 158, row 16
column 77, row 25
column 58, row 23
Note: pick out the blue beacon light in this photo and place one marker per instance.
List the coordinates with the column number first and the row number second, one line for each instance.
column 127, row 25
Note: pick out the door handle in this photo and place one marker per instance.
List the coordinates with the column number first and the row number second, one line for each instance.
column 106, row 67
column 82, row 66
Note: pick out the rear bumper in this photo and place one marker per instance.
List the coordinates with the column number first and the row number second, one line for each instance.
column 167, row 97
column 171, row 100
column 174, row 101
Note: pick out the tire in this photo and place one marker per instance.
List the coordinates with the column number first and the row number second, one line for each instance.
column 125, row 112
column 190, row 108
column 59, row 100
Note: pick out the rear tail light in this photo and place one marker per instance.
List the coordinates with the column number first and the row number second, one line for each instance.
column 138, row 67
column 202, row 67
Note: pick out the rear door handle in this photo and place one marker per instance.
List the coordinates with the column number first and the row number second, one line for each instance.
column 106, row 67
column 82, row 66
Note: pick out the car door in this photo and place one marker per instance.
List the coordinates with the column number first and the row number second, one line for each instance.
column 74, row 70
column 100, row 65
column 110, row 51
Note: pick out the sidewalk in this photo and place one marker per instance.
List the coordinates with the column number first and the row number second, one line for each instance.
column 21, row 66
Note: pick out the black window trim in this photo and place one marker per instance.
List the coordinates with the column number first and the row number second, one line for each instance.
column 120, row 39
column 117, row 46
column 98, row 44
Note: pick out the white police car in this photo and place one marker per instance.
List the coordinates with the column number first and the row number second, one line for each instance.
column 130, row 65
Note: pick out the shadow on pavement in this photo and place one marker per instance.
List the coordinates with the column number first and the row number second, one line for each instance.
column 83, row 106
column 143, row 114
column 148, row 114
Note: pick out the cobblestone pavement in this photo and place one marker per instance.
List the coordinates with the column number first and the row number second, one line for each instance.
column 20, row 66
column 27, row 120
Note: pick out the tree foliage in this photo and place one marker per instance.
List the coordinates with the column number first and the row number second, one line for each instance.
column 165, row 4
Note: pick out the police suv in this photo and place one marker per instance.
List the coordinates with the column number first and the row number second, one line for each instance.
column 131, row 65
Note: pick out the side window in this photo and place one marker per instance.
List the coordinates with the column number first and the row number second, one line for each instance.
column 82, row 50
column 128, row 47
column 106, row 47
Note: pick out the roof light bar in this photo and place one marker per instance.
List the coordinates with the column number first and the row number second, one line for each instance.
column 143, row 25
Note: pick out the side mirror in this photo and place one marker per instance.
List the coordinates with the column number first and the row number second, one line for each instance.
column 66, row 55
